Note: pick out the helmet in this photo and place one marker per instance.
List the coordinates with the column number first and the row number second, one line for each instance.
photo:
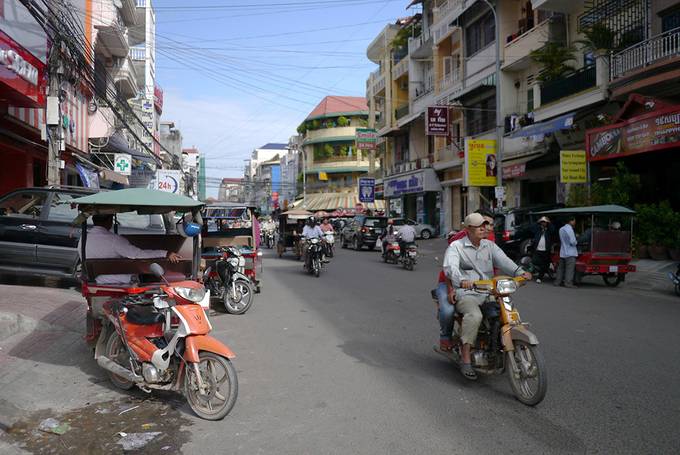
column 311, row 221
column 188, row 229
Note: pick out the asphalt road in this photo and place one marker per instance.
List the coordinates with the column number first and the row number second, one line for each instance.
column 344, row 364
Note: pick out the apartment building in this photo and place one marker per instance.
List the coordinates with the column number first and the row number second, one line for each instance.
column 450, row 60
column 253, row 175
column 231, row 190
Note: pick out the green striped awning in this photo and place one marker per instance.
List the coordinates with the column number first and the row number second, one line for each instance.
column 334, row 201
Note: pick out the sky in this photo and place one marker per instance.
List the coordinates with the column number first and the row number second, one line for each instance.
column 239, row 74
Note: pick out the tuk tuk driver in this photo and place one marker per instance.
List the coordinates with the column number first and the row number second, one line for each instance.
column 104, row 244
column 467, row 260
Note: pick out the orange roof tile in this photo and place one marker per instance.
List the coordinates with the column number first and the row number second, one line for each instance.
column 339, row 104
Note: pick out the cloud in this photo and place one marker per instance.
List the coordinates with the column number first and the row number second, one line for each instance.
column 225, row 130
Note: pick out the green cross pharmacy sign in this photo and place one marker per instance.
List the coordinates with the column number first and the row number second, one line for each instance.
column 122, row 163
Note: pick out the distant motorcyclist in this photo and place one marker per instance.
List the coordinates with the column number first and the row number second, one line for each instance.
column 406, row 235
column 310, row 231
column 326, row 226
column 388, row 236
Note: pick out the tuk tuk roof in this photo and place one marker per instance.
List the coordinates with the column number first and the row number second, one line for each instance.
column 593, row 209
column 297, row 213
column 142, row 200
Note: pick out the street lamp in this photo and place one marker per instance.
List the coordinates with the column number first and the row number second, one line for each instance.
column 499, row 119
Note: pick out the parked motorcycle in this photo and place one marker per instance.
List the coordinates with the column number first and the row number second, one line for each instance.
column 504, row 342
column 675, row 279
column 226, row 279
column 159, row 340
column 329, row 244
column 313, row 260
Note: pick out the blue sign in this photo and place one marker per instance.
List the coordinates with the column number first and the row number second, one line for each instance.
column 366, row 189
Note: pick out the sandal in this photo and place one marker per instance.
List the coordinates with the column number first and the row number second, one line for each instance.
column 468, row 372
column 445, row 345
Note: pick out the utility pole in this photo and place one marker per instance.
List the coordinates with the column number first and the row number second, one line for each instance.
column 53, row 114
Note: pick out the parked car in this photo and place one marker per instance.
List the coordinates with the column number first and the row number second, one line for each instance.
column 362, row 231
column 37, row 235
column 423, row 231
column 513, row 229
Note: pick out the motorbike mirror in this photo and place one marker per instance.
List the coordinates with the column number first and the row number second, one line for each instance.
column 157, row 270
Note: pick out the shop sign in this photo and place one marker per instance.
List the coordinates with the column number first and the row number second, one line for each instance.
column 168, row 180
column 421, row 181
column 122, row 163
column 514, row 171
column 573, row 166
column 158, row 98
column 650, row 132
column 22, row 73
column 366, row 189
column 437, row 121
column 366, row 138
column 480, row 162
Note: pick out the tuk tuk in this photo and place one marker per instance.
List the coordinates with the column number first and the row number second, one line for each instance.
column 228, row 224
column 604, row 241
column 146, row 318
column 291, row 224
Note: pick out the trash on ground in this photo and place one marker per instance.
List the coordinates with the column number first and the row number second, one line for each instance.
column 134, row 441
column 147, row 426
column 127, row 410
column 54, row 426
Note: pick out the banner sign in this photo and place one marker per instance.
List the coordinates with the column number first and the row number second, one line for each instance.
column 89, row 177
column 366, row 138
column 366, row 189
column 573, row 166
column 514, row 170
column 169, row 181
column 122, row 163
column 437, row 121
column 480, row 162
column 650, row 132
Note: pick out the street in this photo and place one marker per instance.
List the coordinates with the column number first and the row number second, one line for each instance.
column 344, row 364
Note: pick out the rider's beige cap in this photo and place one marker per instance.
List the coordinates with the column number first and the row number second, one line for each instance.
column 474, row 220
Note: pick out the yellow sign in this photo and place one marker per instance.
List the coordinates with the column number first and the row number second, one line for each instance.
column 323, row 176
column 573, row 166
column 481, row 168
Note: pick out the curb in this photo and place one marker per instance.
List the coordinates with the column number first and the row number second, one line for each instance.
column 14, row 323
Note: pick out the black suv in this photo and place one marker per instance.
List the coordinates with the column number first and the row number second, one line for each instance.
column 363, row 230
column 37, row 235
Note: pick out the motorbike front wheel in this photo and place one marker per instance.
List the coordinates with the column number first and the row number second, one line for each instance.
column 316, row 266
column 529, row 381
column 238, row 300
column 220, row 386
column 408, row 264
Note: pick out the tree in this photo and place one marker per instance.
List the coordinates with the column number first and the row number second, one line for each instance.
column 619, row 190
column 342, row 121
column 599, row 39
column 553, row 58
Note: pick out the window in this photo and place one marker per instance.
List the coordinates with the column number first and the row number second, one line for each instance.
column 60, row 209
column 670, row 20
column 26, row 204
column 530, row 93
column 480, row 34
column 481, row 116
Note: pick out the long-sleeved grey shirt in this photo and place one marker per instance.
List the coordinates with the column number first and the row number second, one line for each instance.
column 464, row 261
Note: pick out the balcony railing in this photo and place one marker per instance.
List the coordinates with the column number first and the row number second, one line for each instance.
column 337, row 158
column 138, row 53
column 406, row 166
column 449, row 80
column 582, row 79
column 646, row 53
column 401, row 111
column 414, row 44
column 400, row 69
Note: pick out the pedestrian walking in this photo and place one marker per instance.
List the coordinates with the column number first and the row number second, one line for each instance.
column 568, row 254
column 542, row 246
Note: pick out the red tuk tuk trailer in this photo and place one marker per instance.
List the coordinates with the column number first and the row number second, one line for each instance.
column 605, row 241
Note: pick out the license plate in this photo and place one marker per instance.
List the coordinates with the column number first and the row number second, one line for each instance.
column 378, row 231
column 613, row 268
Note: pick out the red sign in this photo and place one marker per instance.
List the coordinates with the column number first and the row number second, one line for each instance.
column 22, row 74
column 514, row 170
column 437, row 121
column 158, row 98
column 649, row 132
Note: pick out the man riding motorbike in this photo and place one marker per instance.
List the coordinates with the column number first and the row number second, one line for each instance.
column 310, row 231
column 388, row 236
column 467, row 260
column 406, row 235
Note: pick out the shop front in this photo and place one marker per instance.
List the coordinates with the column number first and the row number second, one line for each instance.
column 645, row 136
column 415, row 195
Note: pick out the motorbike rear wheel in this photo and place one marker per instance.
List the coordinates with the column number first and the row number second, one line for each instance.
column 220, row 386
column 408, row 264
column 242, row 301
column 677, row 289
column 530, row 382
column 117, row 352
column 612, row 279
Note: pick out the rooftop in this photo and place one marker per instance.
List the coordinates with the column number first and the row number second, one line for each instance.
column 274, row 146
column 337, row 105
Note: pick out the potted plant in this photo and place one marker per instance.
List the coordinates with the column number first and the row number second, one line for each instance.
column 342, row 121
column 553, row 58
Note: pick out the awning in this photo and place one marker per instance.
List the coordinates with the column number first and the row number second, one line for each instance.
column 408, row 119
column 563, row 122
column 118, row 144
column 517, row 167
column 333, row 201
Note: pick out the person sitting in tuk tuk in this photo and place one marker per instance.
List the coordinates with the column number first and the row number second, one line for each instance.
column 104, row 244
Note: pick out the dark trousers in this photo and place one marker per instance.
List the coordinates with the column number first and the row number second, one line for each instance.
column 541, row 262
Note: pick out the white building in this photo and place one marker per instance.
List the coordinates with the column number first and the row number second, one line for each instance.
column 259, row 155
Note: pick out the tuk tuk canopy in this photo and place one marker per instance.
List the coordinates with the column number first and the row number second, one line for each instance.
column 609, row 209
column 142, row 200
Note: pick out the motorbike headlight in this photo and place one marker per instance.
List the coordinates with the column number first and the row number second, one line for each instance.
column 241, row 261
column 191, row 294
column 506, row 286
column 234, row 261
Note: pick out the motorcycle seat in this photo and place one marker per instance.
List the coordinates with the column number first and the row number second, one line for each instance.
column 143, row 315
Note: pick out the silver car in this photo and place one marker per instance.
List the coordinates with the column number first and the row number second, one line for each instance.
column 423, row 231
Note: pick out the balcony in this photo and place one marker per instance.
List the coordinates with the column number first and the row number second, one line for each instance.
column 114, row 37
column 449, row 80
column 420, row 46
column 125, row 77
column 447, row 12
column 407, row 166
column 450, row 155
column 401, row 111
column 400, row 68
column 579, row 81
column 138, row 53
column 128, row 11
column 646, row 53
column 518, row 48
column 376, row 82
